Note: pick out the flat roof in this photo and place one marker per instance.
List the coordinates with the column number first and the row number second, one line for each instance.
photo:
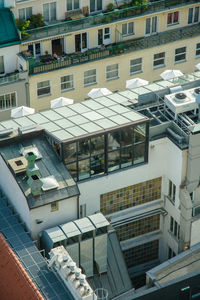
column 8, row 30
column 48, row 165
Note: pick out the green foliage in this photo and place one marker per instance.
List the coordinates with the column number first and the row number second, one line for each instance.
column 110, row 7
column 37, row 20
column 22, row 25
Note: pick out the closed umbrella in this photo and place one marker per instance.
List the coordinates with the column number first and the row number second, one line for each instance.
column 21, row 111
column 135, row 82
column 61, row 101
column 95, row 93
column 171, row 74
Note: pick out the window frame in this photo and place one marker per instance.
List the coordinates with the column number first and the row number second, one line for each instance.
column 127, row 29
column 174, row 228
column 25, row 13
column 65, row 82
column 197, row 50
column 193, row 15
column 10, row 107
column 73, row 9
column 159, row 59
column 49, row 11
column 44, row 95
column 3, row 64
column 131, row 66
column 178, row 54
column 89, row 76
column 151, row 32
column 110, row 71
column 56, row 208
column 172, row 191
column 172, row 14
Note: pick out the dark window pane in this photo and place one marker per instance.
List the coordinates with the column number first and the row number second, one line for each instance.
column 126, row 157
column 139, row 133
column 70, row 152
column 83, row 169
column 97, row 164
column 72, row 168
column 97, row 145
column 139, row 153
column 113, row 160
column 114, row 140
column 83, row 149
column 127, row 136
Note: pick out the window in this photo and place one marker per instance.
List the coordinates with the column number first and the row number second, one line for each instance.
column 128, row 29
column 104, row 36
column 49, row 11
column 159, row 60
column 174, row 228
column 8, row 101
column 82, row 210
column 25, row 13
column 43, row 88
column 95, row 5
column 198, row 50
column 135, row 66
column 171, row 253
column 66, row 83
column 90, row 77
column 35, row 49
column 172, row 191
column 180, row 54
column 2, row 69
column 193, row 15
column 112, row 72
column 151, row 25
column 173, row 18
column 72, row 4
column 54, row 206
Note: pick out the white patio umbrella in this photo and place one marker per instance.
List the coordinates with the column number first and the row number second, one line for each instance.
column 95, row 93
column 21, row 111
column 135, row 82
column 198, row 66
column 61, row 101
column 170, row 74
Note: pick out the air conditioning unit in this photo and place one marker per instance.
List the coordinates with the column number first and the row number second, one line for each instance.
column 18, row 164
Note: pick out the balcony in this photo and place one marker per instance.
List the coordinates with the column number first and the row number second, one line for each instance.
column 162, row 38
column 66, row 27
column 9, row 78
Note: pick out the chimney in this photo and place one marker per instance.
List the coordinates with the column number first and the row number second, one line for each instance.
column 33, row 174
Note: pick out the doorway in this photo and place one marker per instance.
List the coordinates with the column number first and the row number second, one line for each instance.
column 58, row 46
column 81, row 42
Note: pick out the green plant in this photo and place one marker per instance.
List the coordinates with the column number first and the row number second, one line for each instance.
column 106, row 19
column 125, row 4
column 110, row 7
column 22, row 25
column 37, row 20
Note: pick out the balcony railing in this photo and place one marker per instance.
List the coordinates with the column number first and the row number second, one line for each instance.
column 9, row 78
column 94, row 20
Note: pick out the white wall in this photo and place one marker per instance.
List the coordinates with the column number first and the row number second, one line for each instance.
column 14, row 193
column 67, row 211
column 195, row 237
column 10, row 57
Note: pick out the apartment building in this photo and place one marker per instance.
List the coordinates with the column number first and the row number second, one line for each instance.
column 137, row 162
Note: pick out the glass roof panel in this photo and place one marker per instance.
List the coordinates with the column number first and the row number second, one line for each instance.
column 65, row 111
column 92, row 115
column 64, row 123
column 117, row 98
column 10, row 124
column 76, row 131
column 105, row 101
column 189, row 77
column 133, row 116
column 62, row 135
column 38, row 118
column 92, row 104
column 51, row 115
column 78, row 119
column 24, row 121
column 119, row 120
column 165, row 83
column 119, row 108
column 178, row 80
column 106, row 112
column 91, row 127
column 154, row 87
column 129, row 94
column 80, row 108
column 140, row 90
column 50, row 126
column 197, row 74
column 105, row 123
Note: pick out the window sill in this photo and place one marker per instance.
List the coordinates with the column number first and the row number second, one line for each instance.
column 67, row 90
column 158, row 67
column 42, row 96
column 86, row 85
column 114, row 78
column 127, row 35
column 173, row 24
column 179, row 62
column 136, row 72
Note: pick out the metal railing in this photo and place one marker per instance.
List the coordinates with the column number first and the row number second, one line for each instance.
column 94, row 20
column 9, row 78
column 124, row 47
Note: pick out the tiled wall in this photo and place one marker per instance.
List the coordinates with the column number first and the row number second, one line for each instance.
column 131, row 196
column 141, row 254
column 139, row 227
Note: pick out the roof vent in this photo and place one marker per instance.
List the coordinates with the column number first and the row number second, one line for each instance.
column 49, row 183
column 180, row 97
column 33, row 149
column 33, row 174
column 18, row 164
column 197, row 91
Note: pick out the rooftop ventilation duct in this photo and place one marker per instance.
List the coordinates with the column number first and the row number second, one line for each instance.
column 33, row 174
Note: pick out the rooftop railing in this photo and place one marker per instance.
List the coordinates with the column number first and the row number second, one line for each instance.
column 9, row 78
column 98, row 19
column 111, row 50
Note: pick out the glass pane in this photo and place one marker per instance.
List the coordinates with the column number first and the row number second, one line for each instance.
column 37, row 48
column 84, row 169
column 28, row 12
column 190, row 14
column 127, row 136
column 84, row 40
column 126, row 157
column 72, row 168
column 83, row 149
column 148, row 25
column 22, row 14
column 70, row 152
column 46, row 12
column 53, row 11
column 139, row 151
column 69, row 4
column 196, row 14
column 97, row 164
column 139, row 133
column 130, row 28
column 76, row 4
column 99, row 4
column 154, row 24
column 114, row 140
column 113, row 161
column 124, row 29
column 97, row 145
column 92, row 5
column 2, row 70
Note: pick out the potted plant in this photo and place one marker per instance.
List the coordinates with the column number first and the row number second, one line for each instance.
column 110, row 7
